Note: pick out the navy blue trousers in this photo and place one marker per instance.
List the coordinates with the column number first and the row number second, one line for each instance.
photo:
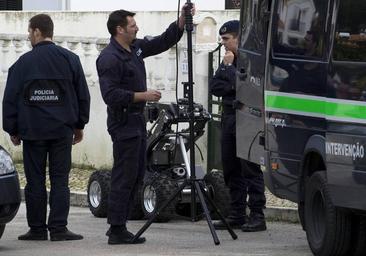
column 128, row 172
column 35, row 156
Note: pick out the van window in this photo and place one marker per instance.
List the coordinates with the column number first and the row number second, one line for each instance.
column 247, row 25
column 254, row 25
column 299, row 28
column 350, row 36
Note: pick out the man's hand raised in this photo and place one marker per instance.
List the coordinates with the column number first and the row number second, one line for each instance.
column 228, row 58
column 185, row 8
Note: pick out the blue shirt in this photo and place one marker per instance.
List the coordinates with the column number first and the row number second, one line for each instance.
column 122, row 73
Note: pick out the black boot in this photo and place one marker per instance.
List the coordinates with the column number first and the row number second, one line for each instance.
column 235, row 222
column 35, row 235
column 64, row 235
column 119, row 235
column 256, row 223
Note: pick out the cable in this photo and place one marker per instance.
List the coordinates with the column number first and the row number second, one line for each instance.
column 202, row 158
column 251, row 144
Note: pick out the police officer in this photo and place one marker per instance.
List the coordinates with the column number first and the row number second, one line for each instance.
column 46, row 105
column 122, row 78
column 242, row 177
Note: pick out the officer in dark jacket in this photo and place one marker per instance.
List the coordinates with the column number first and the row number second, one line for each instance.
column 122, row 78
column 46, row 105
column 242, row 177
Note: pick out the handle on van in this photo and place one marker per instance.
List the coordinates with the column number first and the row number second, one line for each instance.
column 242, row 74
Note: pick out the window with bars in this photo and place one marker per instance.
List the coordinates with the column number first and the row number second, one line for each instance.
column 232, row 4
column 11, row 5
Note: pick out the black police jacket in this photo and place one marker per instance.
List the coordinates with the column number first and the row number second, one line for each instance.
column 121, row 73
column 223, row 85
column 46, row 95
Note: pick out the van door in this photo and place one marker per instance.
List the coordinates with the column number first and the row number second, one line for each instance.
column 250, row 79
column 346, row 120
column 296, row 87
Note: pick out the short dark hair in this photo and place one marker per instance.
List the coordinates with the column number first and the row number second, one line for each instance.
column 118, row 18
column 44, row 23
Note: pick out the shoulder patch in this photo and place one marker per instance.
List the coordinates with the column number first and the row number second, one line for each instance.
column 149, row 38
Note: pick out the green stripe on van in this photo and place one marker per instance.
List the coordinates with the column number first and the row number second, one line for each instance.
column 333, row 109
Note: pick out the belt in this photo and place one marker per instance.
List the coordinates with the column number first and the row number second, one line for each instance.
column 135, row 109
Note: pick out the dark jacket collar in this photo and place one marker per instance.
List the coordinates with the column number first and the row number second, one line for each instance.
column 43, row 43
column 118, row 46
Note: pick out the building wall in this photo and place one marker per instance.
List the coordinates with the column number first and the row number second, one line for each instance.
column 108, row 5
column 143, row 5
column 85, row 33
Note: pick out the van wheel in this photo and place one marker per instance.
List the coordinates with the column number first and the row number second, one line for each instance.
column 2, row 228
column 155, row 192
column 218, row 191
column 328, row 229
column 358, row 247
column 98, row 190
column 301, row 212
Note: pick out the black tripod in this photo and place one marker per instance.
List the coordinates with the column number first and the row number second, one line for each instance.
column 197, row 185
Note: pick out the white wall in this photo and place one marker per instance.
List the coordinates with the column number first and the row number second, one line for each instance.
column 142, row 5
column 109, row 5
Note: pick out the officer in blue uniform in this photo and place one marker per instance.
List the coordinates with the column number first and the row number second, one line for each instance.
column 122, row 78
column 46, row 105
column 242, row 177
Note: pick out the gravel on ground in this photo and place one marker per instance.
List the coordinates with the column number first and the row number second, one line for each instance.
column 78, row 182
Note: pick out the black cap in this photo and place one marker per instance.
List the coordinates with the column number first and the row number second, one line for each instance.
column 231, row 26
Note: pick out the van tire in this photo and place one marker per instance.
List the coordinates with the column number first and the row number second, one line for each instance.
column 218, row 191
column 98, row 191
column 301, row 213
column 2, row 228
column 358, row 247
column 328, row 229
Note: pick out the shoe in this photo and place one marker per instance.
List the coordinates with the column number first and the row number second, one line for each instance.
column 124, row 237
column 255, row 223
column 234, row 222
column 122, row 227
column 108, row 233
column 34, row 235
column 64, row 235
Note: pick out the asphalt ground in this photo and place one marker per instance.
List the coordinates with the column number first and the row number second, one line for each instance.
column 177, row 237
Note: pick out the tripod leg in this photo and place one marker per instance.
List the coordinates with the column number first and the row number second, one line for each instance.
column 222, row 218
column 193, row 202
column 207, row 213
column 157, row 212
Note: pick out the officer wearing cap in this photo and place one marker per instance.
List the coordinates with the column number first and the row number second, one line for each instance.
column 122, row 78
column 46, row 106
column 242, row 177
